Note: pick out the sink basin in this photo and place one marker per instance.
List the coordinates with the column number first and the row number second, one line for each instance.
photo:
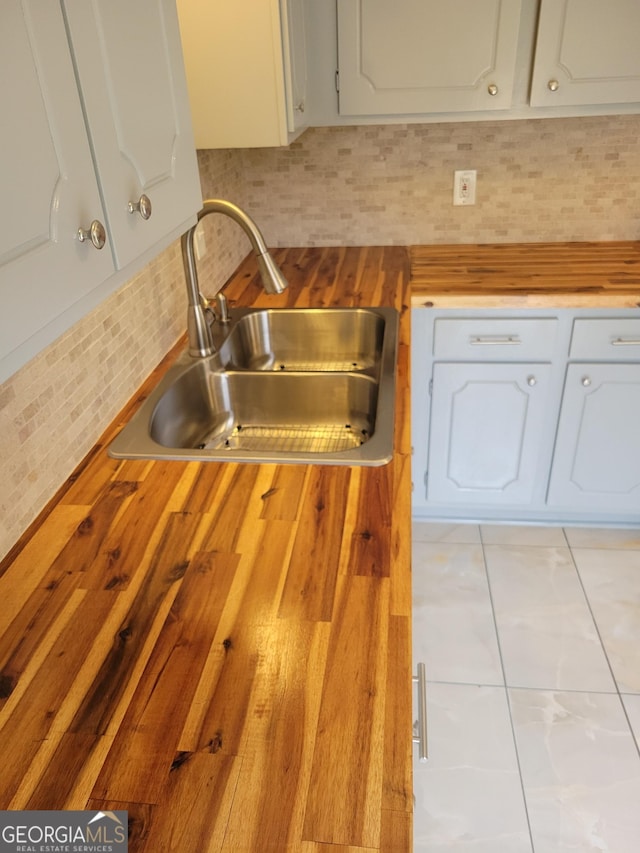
column 286, row 385
column 314, row 339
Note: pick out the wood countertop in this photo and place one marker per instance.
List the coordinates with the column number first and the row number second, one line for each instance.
column 526, row 275
column 222, row 649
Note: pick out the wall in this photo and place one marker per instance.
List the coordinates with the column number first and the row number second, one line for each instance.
column 548, row 179
column 561, row 179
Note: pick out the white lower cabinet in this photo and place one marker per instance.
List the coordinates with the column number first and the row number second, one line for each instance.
column 597, row 454
column 522, row 417
column 486, row 432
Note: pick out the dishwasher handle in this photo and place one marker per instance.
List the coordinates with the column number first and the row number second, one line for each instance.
column 420, row 726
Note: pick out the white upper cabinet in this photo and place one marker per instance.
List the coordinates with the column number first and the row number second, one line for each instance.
column 95, row 115
column 49, row 183
column 246, row 71
column 425, row 56
column 587, row 53
column 129, row 63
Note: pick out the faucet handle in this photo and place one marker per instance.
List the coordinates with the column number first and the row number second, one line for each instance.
column 223, row 307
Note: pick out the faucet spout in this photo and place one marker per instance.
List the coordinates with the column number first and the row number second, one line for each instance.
column 198, row 328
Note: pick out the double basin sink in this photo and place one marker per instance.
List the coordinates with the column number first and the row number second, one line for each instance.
column 305, row 385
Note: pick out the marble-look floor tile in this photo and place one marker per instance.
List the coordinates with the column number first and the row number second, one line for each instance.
column 515, row 534
column 603, row 537
column 580, row 771
column 453, row 628
column 468, row 795
column 612, row 583
column 547, row 635
column 436, row 531
column 632, row 706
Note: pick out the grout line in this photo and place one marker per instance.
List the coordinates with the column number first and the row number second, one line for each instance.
column 604, row 651
column 506, row 693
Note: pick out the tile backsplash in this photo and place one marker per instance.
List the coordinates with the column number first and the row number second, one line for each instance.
column 550, row 179
column 538, row 180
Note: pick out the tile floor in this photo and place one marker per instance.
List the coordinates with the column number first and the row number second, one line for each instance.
column 531, row 640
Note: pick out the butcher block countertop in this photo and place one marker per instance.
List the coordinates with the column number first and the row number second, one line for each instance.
column 222, row 649
column 526, row 275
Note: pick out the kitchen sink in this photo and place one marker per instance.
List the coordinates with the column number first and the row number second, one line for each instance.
column 313, row 339
column 285, row 385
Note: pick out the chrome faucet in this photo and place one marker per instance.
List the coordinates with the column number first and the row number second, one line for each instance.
column 198, row 326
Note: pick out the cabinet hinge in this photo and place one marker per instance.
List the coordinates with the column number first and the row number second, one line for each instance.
column 430, row 387
column 337, row 81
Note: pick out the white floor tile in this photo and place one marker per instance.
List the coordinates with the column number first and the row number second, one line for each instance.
column 430, row 531
column 594, row 537
column 453, row 628
column 632, row 707
column 546, row 631
column 580, row 770
column 612, row 583
column 468, row 795
column 514, row 534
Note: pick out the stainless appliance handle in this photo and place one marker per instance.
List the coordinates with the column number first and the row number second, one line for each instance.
column 421, row 724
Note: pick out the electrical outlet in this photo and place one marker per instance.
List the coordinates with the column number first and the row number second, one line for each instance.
column 464, row 187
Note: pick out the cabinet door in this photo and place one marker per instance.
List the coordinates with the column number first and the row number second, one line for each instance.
column 596, row 463
column 294, row 53
column 587, row 53
column 129, row 62
column 486, row 432
column 49, row 184
column 424, row 56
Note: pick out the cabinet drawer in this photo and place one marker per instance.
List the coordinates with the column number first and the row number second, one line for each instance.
column 613, row 340
column 494, row 339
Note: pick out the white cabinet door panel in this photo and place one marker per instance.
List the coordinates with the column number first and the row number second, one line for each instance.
column 136, row 106
column 486, row 427
column 49, row 183
column 587, row 53
column 422, row 56
column 596, row 463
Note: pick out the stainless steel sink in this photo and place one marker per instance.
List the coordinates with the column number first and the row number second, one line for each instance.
column 313, row 339
column 285, row 385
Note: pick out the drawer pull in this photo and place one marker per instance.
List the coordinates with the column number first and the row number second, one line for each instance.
column 494, row 340
column 421, row 725
column 625, row 342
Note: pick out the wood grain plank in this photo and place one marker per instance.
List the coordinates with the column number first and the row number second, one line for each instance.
column 283, row 498
column 312, row 573
column 147, row 740
column 552, row 274
column 220, row 706
column 370, row 543
column 272, row 786
column 345, row 790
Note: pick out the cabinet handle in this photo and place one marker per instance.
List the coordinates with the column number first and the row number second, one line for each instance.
column 494, row 340
column 95, row 234
column 421, row 737
column 553, row 85
column 142, row 206
column 586, row 381
column 492, row 89
column 531, row 380
column 625, row 342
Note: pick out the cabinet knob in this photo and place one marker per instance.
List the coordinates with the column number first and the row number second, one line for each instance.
column 300, row 107
column 142, row 206
column 586, row 381
column 95, row 233
column 553, row 85
column 492, row 89
column 531, row 380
